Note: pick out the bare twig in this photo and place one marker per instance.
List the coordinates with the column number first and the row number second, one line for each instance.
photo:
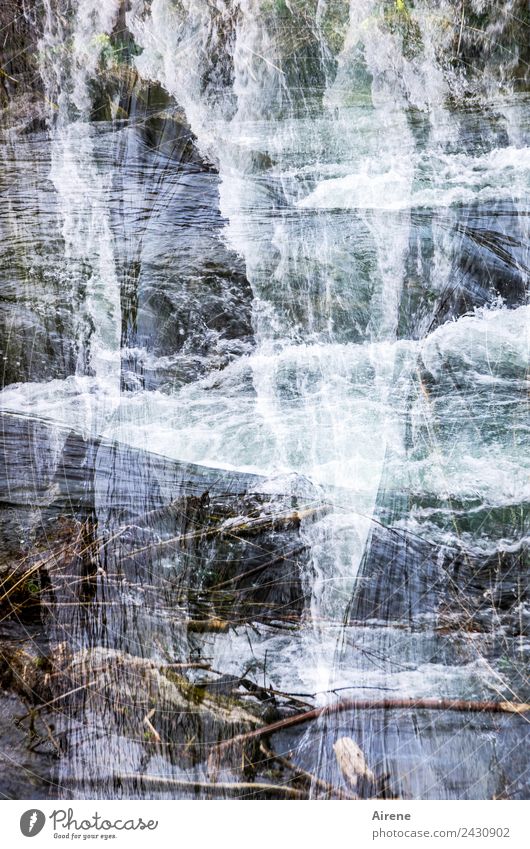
column 150, row 726
column 461, row 28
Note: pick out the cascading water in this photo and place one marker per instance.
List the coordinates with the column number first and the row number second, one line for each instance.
column 366, row 244
column 71, row 49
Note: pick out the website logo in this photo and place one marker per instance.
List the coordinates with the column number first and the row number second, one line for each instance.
column 32, row 822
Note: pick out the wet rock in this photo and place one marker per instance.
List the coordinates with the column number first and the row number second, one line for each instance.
column 484, row 246
column 406, row 579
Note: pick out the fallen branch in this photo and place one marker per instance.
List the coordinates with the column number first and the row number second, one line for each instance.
column 228, row 788
column 266, row 693
column 380, row 704
column 38, row 708
column 8, row 76
column 232, row 527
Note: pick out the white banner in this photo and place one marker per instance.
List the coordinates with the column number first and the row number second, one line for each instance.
column 265, row 825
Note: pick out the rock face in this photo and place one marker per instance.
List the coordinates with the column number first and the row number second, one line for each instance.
column 406, row 580
column 487, row 262
column 184, row 301
column 21, row 88
column 54, row 483
column 140, row 559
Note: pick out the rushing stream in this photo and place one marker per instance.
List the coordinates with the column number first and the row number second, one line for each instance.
column 265, row 267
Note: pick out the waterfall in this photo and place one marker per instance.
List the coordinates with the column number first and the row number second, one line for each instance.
column 326, row 366
column 70, row 51
column 294, row 238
